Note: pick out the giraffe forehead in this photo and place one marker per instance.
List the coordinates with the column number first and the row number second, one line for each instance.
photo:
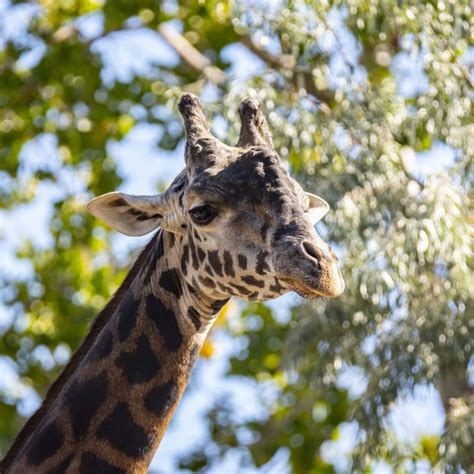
column 254, row 177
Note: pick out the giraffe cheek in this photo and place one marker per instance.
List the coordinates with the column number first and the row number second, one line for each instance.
column 159, row 400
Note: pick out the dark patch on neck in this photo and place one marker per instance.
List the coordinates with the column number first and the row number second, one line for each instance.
column 102, row 347
column 140, row 365
column 61, row 467
column 165, row 321
column 45, row 444
column 242, row 261
column 96, row 329
column 128, row 314
column 225, row 288
column 241, row 289
column 250, row 280
column 159, row 400
column 83, row 401
column 262, row 266
column 194, row 316
column 171, row 282
column 91, row 463
column 218, row 305
column 195, row 285
column 276, row 287
column 215, row 262
column 121, row 431
column 228, row 264
column 206, row 281
column 155, row 255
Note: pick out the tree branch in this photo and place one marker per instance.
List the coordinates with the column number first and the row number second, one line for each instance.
column 300, row 77
column 191, row 55
column 266, row 56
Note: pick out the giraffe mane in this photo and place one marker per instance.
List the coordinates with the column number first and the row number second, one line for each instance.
column 56, row 387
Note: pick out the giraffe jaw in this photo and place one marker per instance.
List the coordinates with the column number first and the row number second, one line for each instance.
column 313, row 291
column 302, row 291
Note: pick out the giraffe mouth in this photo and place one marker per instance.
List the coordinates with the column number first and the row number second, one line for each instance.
column 309, row 271
column 309, row 293
column 310, row 288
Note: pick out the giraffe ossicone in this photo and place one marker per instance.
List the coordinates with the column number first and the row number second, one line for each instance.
column 232, row 223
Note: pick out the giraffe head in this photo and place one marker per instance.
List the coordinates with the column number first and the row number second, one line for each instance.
column 244, row 226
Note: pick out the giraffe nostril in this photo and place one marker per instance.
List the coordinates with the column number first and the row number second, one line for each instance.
column 311, row 250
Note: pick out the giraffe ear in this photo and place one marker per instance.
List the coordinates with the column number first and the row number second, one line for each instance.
column 318, row 208
column 129, row 214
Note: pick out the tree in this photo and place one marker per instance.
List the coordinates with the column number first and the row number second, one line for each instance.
column 354, row 91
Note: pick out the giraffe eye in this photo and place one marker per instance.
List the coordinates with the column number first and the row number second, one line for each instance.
column 203, row 214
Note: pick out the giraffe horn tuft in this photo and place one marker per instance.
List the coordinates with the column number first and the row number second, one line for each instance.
column 195, row 123
column 254, row 129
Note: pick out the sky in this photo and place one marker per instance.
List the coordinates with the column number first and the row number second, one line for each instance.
column 143, row 166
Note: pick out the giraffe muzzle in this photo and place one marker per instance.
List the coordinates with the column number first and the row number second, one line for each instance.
column 312, row 270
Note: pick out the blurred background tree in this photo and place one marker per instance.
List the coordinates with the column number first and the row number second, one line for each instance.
column 370, row 103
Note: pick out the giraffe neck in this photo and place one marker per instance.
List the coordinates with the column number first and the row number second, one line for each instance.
column 113, row 410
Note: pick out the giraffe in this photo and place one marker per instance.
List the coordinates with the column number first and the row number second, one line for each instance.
column 232, row 223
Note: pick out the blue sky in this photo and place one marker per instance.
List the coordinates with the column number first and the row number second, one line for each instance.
column 143, row 165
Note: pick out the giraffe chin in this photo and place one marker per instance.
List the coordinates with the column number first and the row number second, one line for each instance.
column 306, row 294
column 310, row 292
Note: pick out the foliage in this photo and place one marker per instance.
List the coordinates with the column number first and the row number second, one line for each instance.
column 354, row 92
